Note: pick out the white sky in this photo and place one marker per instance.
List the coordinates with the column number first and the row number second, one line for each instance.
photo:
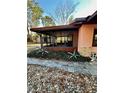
column 85, row 8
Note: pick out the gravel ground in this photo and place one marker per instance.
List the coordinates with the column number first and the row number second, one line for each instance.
column 42, row 79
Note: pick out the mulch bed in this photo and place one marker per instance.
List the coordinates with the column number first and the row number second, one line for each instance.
column 43, row 79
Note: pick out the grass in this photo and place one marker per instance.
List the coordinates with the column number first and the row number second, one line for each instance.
column 33, row 45
column 60, row 55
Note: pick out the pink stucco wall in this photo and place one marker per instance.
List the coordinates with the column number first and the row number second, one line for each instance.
column 85, row 38
column 75, row 38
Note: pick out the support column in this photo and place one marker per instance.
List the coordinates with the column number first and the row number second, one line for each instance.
column 52, row 39
column 41, row 41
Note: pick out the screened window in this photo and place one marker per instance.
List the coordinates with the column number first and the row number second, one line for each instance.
column 58, row 39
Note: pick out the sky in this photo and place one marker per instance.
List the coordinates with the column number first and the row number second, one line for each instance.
column 84, row 8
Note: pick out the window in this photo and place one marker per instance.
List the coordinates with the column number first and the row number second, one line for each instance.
column 64, row 40
column 94, row 44
column 58, row 39
column 46, row 40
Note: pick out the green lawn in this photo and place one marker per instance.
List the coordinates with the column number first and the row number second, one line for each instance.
column 31, row 46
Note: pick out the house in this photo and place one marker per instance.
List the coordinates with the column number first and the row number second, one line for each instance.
column 80, row 35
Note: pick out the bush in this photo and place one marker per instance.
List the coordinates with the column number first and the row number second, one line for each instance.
column 32, row 38
column 29, row 39
column 93, row 57
column 60, row 55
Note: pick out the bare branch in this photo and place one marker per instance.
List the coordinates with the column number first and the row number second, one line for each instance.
column 64, row 11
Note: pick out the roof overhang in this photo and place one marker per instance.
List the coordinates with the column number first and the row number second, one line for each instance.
column 54, row 28
column 91, row 19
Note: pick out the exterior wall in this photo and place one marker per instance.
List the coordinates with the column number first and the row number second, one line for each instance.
column 85, row 39
column 75, row 38
column 67, row 49
column 94, row 49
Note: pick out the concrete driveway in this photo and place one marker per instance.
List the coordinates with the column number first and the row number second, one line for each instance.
column 78, row 67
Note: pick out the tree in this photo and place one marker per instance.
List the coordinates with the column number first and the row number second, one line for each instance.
column 64, row 12
column 70, row 19
column 47, row 21
column 34, row 13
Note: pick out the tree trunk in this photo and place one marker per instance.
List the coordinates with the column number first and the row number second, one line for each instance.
column 28, row 31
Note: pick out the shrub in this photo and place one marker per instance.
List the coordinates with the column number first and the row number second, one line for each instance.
column 32, row 38
column 60, row 55
column 42, row 51
column 74, row 55
column 93, row 57
column 29, row 39
column 37, row 53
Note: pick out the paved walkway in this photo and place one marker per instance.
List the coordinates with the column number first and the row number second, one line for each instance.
column 80, row 67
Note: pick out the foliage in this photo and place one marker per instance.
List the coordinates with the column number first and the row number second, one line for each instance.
column 73, row 55
column 58, row 55
column 93, row 57
column 42, row 51
column 32, row 37
column 34, row 12
column 47, row 21
column 34, row 15
column 29, row 38
column 38, row 53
